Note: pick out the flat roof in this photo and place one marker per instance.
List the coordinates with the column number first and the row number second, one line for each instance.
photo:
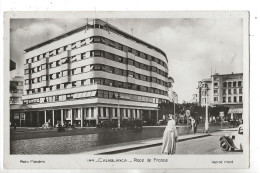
column 227, row 74
column 110, row 28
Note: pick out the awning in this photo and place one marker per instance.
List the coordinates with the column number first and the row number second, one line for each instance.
column 235, row 111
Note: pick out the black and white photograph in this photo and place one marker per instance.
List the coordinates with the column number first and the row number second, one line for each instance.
column 130, row 90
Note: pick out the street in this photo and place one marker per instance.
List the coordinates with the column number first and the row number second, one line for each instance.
column 205, row 145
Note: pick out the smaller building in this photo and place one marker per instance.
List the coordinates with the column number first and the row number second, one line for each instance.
column 16, row 92
column 225, row 90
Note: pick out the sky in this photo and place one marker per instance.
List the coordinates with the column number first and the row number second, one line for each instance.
column 195, row 48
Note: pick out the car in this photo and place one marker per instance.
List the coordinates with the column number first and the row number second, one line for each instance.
column 233, row 142
column 107, row 124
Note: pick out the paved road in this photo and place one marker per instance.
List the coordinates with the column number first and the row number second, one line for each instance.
column 206, row 145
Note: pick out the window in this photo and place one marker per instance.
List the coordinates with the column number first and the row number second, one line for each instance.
column 224, row 91
column 58, row 86
column 154, row 69
column 130, row 49
column 130, row 62
column 120, row 46
column 229, row 84
column 235, row 91
column 234, row 99
column 234, row 84
column 229, row 91
column 215, row 84
column 73, row 46
column 224, row 99
column 131, row 74
column 229, row 99
column 240, row 99
column 215, row 91
column 58, row 63
column 111, row 43
column 83, row 55
column 100, row 93
column 215, row 99
column 65, row 73
column 43, row 78
column 118, row 84
column 69, row 96
column 118, row 71
column 26, row 71
column 239, row 83
column 225, row 84
column 240, row 91
column 105, row 94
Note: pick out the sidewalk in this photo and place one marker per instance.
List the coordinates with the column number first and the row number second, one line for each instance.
column 128, row 146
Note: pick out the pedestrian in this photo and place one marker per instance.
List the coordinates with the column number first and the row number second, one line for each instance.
column 195, row 126
column 170, row 137
column 192, row 125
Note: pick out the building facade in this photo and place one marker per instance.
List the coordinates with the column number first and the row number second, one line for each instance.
column 16, row 92
column 93, row 73
column 226, row 90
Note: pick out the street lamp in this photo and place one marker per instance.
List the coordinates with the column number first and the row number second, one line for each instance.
column 207, row 111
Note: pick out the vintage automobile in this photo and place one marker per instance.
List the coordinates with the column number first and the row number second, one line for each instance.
column 233, row 142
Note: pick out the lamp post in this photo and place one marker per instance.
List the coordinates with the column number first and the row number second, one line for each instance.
column 118, row 112
column 207, row 111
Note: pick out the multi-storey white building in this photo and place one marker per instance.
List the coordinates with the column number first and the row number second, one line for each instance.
column 226, row 90
column 85, row 75
column 16, row 92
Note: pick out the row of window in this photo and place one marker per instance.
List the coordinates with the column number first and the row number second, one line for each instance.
column 100, row 81
column 236, row 99
column 14, row 100
column 19, row 91
column 228, row 99
column 95, row 39
column 96, row 53
column 96, row 67
column 119, row 46
column 102, row 112
column 16, row 83
column 89, row 94
column 232, row 84
column 227, row 91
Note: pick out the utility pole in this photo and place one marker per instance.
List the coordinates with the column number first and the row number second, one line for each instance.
column 118, row 112
column 207, row 112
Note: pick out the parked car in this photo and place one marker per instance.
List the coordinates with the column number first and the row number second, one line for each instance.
column 233, row 142
column 106, row 124
column 233, row 123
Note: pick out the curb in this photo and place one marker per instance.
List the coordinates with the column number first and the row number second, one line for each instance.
column 148, row 145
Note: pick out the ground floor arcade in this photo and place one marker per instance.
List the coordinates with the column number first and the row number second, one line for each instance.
column 79, row 116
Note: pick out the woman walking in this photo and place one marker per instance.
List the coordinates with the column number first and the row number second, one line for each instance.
column 170, row 137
